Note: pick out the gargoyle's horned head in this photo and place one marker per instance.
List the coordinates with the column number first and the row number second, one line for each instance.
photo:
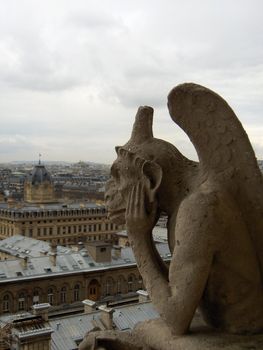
column 142, row 127
column 141, row 159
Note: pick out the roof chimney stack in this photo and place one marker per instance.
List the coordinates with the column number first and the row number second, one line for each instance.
column 41, row 310
column 89, row 306
column 24, row 262
column 143, row 296
column 106, row 316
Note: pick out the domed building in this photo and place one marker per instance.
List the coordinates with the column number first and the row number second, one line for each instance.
column 40, row 215
column 38, row 187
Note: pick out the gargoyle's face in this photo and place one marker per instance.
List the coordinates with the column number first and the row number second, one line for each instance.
column 123, row 177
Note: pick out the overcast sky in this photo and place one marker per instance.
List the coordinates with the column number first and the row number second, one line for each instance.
column 72, row 73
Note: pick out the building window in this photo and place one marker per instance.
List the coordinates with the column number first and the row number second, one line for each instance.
column 131, row 280
column 63, row 295
column 121, row 284
column 6, row 303
column 76, row 292
column 109, row 286
column 35, row 297
column 118, row 286
column 21, row 302
column 50, row 296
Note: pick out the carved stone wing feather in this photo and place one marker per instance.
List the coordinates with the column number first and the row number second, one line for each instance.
column 225, row 153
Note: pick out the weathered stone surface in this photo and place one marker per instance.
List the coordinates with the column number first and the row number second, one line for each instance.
column 155, row 335
column 215, row 223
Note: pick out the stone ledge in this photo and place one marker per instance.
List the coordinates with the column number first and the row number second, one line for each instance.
column 158, row 337
column 154, row 335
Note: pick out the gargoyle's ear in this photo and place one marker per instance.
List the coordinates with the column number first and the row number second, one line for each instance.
column 153, row 172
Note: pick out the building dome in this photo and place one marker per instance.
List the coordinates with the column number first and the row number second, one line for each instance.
column 39, row 175
column 38, row 186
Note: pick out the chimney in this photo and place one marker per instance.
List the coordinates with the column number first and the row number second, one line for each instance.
column 89, row 306
column 24, row 262
column 99, row 251
column 41, row 310
column 53, row 258
column 106, row 316
column 80, row 246
column 143, row 296
column 117, row 251
column 53, row 253
column 53, row 246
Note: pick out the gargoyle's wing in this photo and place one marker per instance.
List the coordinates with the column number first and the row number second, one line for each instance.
column 225, row 153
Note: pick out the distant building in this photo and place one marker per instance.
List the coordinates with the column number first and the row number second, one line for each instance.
column 65, row 224
column 26, row 331
column 63, row 277
column 38, row 186
column 42, row 216
column 34, row 330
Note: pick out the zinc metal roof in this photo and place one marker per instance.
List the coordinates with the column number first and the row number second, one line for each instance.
column 39, row 264
column 70, row 330
column 26, row 246
column 127, row 317
column 26, row 207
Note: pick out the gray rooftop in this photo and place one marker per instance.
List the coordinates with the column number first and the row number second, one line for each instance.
column 68, row 262
column 21, row 246
column 26, row 207
column 68, row 331
column 39, row 175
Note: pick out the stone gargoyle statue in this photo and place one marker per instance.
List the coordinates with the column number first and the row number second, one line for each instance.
column 215, row 216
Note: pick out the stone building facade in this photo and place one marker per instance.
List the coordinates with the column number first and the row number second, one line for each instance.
column 98, row 272
column 67, row 291
column 42, row 216
column 61, row 223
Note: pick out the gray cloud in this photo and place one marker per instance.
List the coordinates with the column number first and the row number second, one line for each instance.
column 74, row 73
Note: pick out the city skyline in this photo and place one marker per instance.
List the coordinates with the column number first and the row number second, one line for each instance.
column 72, row 74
